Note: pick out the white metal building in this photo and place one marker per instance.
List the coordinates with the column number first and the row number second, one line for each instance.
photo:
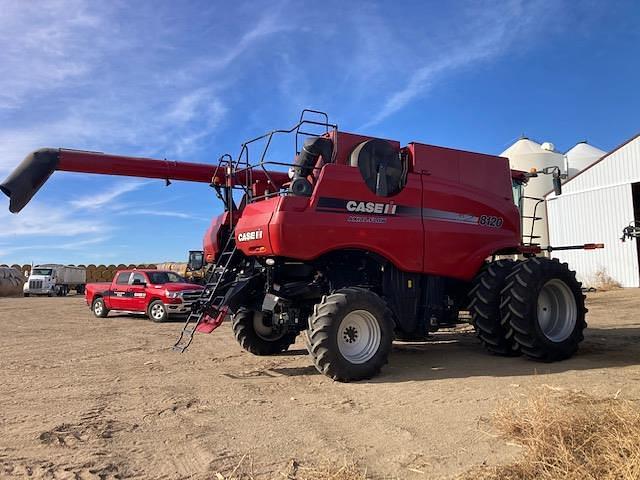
column 595, row 205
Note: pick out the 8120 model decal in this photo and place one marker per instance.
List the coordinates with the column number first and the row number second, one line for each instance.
column 490, row 221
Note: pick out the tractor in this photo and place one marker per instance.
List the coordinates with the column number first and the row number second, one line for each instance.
column 355, row 241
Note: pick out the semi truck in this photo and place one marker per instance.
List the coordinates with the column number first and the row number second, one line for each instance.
column 54, row 279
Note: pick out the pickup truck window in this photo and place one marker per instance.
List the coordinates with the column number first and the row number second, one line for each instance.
column 160, row 278
column 139, row 277
column 122, row 278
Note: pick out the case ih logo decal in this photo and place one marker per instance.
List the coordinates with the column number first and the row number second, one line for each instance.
column 249, row 236
column 341, row 205
column 376, row 212
column 371, row 207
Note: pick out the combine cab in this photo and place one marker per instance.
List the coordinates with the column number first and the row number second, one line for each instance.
column 361, row 241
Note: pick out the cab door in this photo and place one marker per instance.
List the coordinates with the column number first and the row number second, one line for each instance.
column 118, row 299
column 137, row 292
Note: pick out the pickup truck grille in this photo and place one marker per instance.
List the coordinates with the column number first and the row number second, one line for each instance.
column 191, row 295
column 35, row 284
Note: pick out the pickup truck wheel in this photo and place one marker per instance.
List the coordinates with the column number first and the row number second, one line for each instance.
column 255, row 335
column 99, row 309
column 157, row 312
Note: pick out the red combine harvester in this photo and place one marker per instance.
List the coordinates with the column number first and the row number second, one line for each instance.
column 361, row 241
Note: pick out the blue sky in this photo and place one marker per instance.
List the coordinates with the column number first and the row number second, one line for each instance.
column 192, row 80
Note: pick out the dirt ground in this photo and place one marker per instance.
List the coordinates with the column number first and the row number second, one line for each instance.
column 82, row 397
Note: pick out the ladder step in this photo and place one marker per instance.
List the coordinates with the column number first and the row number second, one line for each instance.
column 209, row 297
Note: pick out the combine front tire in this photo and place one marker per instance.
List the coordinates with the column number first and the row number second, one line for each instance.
column 496, row 335
column 544, row 304
column 255, row 334
column 350, row 334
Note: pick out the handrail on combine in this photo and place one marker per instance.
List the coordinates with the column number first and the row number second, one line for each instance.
column 534, row 218
column 243, row 163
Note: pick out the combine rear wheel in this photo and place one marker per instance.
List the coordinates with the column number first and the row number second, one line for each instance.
column 350, row 334
column 254, row 333
column 496, row 335
column 544, row 304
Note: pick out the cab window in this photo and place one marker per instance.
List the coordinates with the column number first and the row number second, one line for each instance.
column 517, row 189
column 122, row 278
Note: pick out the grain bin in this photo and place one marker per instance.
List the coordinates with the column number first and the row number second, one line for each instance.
column 524, row 155
column 581, row 156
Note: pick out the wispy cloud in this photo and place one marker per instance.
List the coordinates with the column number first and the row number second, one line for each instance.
column 47, row 54
column 75, row 245
column 40, row 220
column 100, row 200
column 93, row 79
column 488, row 33
column 163, row 213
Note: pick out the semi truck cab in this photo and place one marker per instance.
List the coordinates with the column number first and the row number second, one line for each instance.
column 52, row 279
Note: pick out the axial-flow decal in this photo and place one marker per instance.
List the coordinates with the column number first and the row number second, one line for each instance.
column 380, row 209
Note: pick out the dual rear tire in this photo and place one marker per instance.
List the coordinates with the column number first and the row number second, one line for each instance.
column 495, row 334
column 534, row 307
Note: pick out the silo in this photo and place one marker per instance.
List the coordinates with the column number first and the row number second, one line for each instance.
column 524, row 155
column 581, row 156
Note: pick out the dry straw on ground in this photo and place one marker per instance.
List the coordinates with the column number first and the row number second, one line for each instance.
column 294, row 470
column 569, row 436
column 603, row 282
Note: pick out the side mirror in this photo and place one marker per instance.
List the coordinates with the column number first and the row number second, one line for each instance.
column 196, row 260
column 557, row 185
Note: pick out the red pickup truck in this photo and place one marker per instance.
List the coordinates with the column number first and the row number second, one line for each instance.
column 158, row 293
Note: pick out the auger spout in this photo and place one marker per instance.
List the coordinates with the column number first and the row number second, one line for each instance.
column 28, row 177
